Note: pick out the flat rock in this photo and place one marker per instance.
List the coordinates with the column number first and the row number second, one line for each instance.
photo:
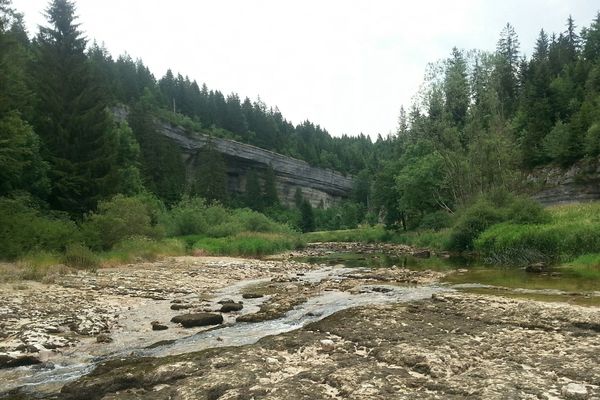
column 575, row 391
column 157, row 326
column 229, row 307
column 178, row 306
column 252, row 295
column 198, row 319
column 7, row 361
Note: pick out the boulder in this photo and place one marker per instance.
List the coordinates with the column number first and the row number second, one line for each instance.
column 103, row 338
column 157, row 326
column 178, row 306
column 575, row 391
column 228, row 307
column 198, row 319
column 536, row 268
column 421, row 253
column 7, row 361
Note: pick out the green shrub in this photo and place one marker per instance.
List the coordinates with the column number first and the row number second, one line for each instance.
column 24, row 229
column 117, row 219
column 143, row 248
column 436, row 221
column 492, row 209
column 80, row 257
column 569, row 231
column 249, row 244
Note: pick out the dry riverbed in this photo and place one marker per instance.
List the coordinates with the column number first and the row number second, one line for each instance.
column 446, row 345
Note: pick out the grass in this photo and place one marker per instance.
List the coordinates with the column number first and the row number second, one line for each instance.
column 142, row 249
column 572, row 231
column 586, row 266
column 252, row 244
column 371, row 234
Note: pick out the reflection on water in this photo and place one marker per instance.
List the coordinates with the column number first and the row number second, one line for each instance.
column 471, row 271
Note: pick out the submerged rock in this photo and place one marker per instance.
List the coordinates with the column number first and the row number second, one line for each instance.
column 537, row 268
column 198, row 319
column 7, row 361
column 252, row 295
column 103, row 338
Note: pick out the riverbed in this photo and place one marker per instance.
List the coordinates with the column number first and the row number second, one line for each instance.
column 324, row 324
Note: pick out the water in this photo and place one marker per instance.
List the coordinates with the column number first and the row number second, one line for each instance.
column 74, row 364
column 468, row 275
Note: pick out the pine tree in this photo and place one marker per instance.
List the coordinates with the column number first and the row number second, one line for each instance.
column 456, row 88
column 307, row 220
column 506, row 69
column 253, row 192
column 72, row 116
column 270, row 196
column 211, row 175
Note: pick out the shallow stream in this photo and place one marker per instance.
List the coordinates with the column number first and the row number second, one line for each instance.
column 467, row 276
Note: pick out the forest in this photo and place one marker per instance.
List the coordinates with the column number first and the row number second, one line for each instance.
column 481, row 121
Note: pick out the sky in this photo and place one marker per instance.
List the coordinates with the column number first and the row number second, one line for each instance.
column 343, row 64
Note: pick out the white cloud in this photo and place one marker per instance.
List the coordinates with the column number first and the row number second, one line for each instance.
column 346, row 65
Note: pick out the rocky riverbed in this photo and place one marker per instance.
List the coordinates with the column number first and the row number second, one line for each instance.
column 327, row 332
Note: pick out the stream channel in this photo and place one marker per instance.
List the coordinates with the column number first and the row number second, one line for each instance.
column 43, row 380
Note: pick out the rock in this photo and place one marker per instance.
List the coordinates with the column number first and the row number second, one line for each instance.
column 536, row 268
column 178, row 306
column 225, row 301
column 7, row 361
column 575, row 391
column 103, row 338
column 421, row 253
column 198, row 319
column 327, row 345
column 252, row 295
column 381, row 289
column 157, row 326
column 228, row 307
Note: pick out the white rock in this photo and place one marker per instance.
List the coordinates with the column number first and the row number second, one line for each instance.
column 327, row 345
column 272, row 361
column 575, row 391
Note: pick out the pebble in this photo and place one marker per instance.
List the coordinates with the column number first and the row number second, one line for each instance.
column 327, row 345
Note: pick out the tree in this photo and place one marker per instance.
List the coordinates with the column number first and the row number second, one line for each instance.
column 71, row 117
column 270, row 196
column 211, row 175
column 253, row 191
column 507, row 52
column 307, row 221
column 456, row 88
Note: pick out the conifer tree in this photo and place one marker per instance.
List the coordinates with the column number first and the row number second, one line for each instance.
column 270, row 196
column 211, row 181
column 253, row 192
column 72, row 117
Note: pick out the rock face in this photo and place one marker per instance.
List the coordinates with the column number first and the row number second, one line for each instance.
column 318, row 185
column 578, row 183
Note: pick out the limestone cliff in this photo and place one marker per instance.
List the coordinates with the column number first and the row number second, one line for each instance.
column 318, row 185
column 578, row 183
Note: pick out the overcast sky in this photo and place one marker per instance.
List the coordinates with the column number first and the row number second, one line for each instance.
column 346, row 65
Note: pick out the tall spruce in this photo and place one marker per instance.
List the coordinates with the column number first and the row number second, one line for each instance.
column 71, row 117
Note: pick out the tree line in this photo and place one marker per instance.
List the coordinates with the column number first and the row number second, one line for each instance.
column 482, row 120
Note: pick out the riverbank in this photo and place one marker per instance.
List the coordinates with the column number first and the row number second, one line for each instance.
column 452, row 346
column 120, row 315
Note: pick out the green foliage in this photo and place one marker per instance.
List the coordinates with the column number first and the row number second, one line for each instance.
column 142, row 248
column 118, row 219
column 586, row 266
column 249, row 244
column 24, row 229
column 253, row 191
column 557, row 144
column 80, row 257
column 307, row 217
column 592, row 141
column 436, row 220
column 569, row 232
column 489, row 210
column 211, row 175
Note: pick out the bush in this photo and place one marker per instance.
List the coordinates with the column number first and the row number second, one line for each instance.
column 568, row 232
column 24, row 229
column 492, row 209
column 436, row 221
column 249, row 244
column 117, row 219
column 143, row 248
column 80, row 257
